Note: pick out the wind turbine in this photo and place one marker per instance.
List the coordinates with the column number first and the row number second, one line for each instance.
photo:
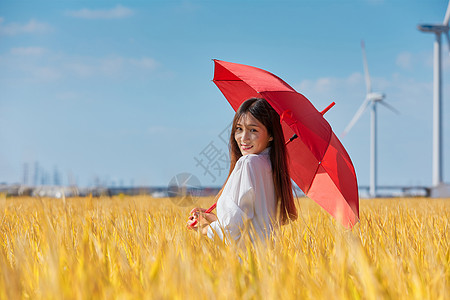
column 372, row 99
column 438, row 30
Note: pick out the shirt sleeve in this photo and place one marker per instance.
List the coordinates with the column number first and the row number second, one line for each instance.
column 238, row 203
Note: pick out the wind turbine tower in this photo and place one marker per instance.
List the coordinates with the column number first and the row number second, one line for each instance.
column 438, row 30
column 372, row 99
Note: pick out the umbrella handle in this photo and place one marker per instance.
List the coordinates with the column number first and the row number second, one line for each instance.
column 291, row 139
column 288, row 117
column 206, row 211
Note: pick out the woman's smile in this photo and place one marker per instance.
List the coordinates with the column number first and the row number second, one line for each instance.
column 251, row 135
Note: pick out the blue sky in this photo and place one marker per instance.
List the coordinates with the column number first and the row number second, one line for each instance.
column 121, row 92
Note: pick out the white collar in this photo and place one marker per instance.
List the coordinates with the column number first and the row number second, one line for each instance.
column 265, row 151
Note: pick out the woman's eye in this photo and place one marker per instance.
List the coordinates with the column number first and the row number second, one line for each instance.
column 238, row 128
column 253, row 130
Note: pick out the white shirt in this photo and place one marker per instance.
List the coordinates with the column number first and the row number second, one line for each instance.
column 248, row 196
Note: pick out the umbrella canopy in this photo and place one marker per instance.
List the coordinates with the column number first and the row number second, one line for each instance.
column 318, row 162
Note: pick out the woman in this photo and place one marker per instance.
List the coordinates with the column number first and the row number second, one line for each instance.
column 258, row 191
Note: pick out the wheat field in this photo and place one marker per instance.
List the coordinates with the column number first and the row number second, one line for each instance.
column 139, row 248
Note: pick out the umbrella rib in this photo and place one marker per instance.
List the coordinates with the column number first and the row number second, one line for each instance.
column 314, row 177
column 318, row 166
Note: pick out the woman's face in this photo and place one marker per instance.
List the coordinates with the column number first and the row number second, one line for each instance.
column 251, row 135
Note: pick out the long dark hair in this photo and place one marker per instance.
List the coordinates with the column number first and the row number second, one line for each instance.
column 264, row 113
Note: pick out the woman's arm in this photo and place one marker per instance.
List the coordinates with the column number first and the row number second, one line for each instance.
column 234, row 217
column 237, row 203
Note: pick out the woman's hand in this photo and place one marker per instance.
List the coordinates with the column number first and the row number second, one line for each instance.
column 199, row 220
column 192, row 222
column 197, row 210
column 204, row 219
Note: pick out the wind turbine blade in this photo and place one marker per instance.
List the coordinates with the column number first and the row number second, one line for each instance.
column 356, row 117
column 366, row 69
column 447, row 15
column 389, row 107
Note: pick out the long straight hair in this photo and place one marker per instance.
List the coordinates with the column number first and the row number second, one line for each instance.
column 264, row 113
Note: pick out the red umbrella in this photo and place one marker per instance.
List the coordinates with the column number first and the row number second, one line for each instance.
column 318, row 162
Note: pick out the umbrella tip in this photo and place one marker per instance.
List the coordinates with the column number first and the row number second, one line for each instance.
column 328, row 108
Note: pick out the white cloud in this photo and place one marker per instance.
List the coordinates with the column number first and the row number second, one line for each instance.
column 157, row 130
column 407, row 94
column 68, row 95
column 32, row 26
column 375, row 2
column 48, row 73
column 112, row 65
column 428, row 58
column 79, row 68
column 42, row 65
column 118, row 12
column 145, row 63
column 187, row 7
column 325, row 85
column 404, row 60
column 28, row 51
column 109, row 66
